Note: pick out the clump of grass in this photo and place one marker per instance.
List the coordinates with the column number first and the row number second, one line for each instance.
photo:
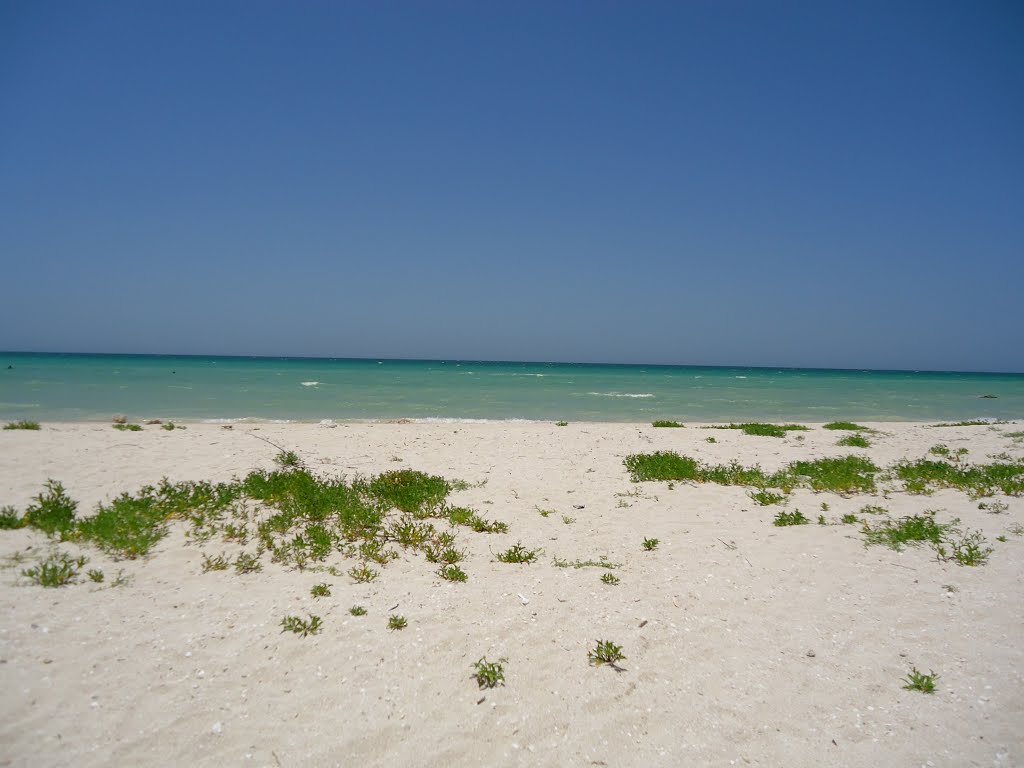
column 850, row 519
column 545, row 512
column 409, row 490
column 939, row 450
column 973, row 423
column 129, row 526
column 873, row 509
column 912, row 529
column 361, row 574
column 288, row 460
column 661, row 465
column 1001, row 538
column 57, row 570
column 568, row 520
column 53, row 511
column 848, row 474
column 765, row 498
column 844, row 425
column 969, row 550
column 824, row 506
column 919, row 681
column 218, row 563
column 840, row 475
column 854, row 441
column 489, row 674
column 605, row 652
column 247, row 563
column 10, row 519
column 977, row 480
column 300, row 626
column 396, row 622
column 29, row 425
column 452, row 573
column 710, row 440
column 790, row 518
column 357, row 610
column 517, row 553
column 320, row 590
column 650, row 545
column 561, row 423
column 170, row 426
column 610, row 579
column 666, row 423
column 822, row 520
column 95, row 575
column 127, row 427
column 761, row 429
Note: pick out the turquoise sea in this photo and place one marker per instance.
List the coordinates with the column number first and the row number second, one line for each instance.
column 72, row 387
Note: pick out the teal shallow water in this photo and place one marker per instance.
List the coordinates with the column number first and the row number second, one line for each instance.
column 93, row 387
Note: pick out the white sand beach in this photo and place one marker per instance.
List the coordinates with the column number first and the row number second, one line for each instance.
column 746, row 644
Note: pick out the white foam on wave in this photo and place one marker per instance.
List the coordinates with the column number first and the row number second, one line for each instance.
column 452, row 420
column 621, row 394
column 741, row 377
column 311, row 383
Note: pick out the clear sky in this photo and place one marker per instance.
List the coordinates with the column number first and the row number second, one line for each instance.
column 716, row 182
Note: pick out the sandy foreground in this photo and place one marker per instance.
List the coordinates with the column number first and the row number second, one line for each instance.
column 746, row 643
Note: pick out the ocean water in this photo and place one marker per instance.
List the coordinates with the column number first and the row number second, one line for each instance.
column 69, row 387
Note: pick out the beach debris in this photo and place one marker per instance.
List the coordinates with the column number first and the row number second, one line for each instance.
column 987, row 397
column 120, row 418
column 152, row 421
column 578, row 506
column 524, row 600
column 811, row 654
column 217, row 727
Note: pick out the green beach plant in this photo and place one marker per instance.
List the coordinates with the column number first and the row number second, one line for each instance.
column 57, row 570
column 396, row 622
column 666, row 423
column 357, row 610
column 489, row 674
column 765, row 498
column 300, row 626
column 970, row 549
column 854, row 441
column 10, row 519
column 320, row 590
column 23, row 424
column 519, row 554
column 610, row 579
column 605, row 652
column 845, row 425
column 761, row 429
column 912, row 529
column 53, row 512
column 127, row 427
column 790, row 518
column 650, row 545
column 452, row 573
column 919, row 681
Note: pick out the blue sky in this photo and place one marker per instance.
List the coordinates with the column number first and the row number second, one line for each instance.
column 784, row 183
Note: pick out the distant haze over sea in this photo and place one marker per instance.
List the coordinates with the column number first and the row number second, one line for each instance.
column 85, row 387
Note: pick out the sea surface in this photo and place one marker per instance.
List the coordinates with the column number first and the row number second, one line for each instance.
column 74, row 387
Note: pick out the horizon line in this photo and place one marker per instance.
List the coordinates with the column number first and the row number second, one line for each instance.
column 522, row 362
